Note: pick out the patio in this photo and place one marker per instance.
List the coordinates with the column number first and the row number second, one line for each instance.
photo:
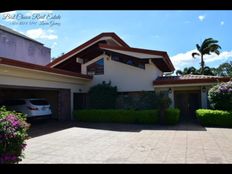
column 56, row 142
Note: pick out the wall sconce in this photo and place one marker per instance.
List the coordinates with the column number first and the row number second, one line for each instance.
column 203, row 89
column 169, row 90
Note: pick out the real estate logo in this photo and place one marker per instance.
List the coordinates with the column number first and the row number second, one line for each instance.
column 42, row 19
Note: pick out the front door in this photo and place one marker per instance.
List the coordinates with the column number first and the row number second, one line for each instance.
column 188, row 102
column 79, row 100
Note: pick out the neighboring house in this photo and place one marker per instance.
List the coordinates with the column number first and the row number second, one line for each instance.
column 17, row 46
column 106, row 57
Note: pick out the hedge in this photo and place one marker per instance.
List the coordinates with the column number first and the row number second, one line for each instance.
column 117, row 116
column 219, row 118
column 172, row 116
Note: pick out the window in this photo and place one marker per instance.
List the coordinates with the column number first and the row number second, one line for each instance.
column 96, row 68
column 129, row 61
column 39, row 102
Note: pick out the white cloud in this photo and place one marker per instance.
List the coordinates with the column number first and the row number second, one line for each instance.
column 222, row 23
column 222, row 57
column 39, row 33
column 182, row 60
column 201, row 18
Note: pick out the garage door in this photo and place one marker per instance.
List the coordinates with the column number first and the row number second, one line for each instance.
column 57, row 98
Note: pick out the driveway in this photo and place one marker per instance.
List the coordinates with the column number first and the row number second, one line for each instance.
column 55, row 142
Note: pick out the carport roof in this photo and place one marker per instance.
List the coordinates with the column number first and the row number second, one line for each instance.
column 31, row 66
column 189, row 79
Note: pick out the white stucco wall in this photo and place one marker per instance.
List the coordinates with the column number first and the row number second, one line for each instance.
column 18, row 48
column 127, row 78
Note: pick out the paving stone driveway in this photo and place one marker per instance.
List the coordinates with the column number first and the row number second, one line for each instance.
column 55, row 142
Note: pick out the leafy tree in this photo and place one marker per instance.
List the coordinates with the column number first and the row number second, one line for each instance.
column 179, row 72
column 225, row 69
column 208, row 46
column 194, row 71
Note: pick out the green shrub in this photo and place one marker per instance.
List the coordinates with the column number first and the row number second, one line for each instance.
column 144, row 100
column 13, row 133
column 171, row 116
column 102, row 96
column 209, row 117
column 220, row 96
column 117, row 116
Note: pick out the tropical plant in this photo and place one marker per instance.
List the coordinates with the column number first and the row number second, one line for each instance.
column 208, row 46
column 194, row 71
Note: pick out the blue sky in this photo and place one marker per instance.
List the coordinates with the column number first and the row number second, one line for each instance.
column 176, row 32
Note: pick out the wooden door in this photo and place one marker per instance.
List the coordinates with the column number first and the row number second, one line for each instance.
column 188, row 102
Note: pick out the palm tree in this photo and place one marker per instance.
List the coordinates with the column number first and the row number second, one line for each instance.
column 208, row 46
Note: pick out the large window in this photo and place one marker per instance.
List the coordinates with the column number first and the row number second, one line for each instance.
column 96, row 68
column 129, row 61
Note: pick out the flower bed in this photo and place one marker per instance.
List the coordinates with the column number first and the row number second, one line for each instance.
column 13, row 133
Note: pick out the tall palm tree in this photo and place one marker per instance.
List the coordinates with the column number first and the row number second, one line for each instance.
column 208, row 46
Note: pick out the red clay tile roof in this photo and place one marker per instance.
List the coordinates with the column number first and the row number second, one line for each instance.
column 188, row 79
column 26, row 65
column 63, row 57
column 145, row 51
column 165, row 60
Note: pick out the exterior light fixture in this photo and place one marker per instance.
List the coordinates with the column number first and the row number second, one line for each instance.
column 203, row 89
column 80, row 90
column 169, row 90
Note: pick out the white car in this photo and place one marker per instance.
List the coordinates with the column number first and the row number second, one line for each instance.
column 32, row 107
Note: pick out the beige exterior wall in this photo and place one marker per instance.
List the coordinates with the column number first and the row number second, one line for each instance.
column 204, row 94
column 20, row 77
column 125, row 77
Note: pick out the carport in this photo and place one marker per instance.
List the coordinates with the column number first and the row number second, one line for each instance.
column 25, row 80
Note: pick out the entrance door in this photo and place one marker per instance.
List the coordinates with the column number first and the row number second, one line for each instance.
column 79, row 101
column 188, row 102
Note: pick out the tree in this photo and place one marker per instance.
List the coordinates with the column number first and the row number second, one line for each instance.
column 102, row 96
column 225, row 69
column 207, row 71
column 194, row 71
column 208, row 46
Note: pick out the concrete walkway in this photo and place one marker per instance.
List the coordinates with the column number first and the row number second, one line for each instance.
column 122, row 143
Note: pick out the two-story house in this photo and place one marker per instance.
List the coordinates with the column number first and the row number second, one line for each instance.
column 105, row 57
